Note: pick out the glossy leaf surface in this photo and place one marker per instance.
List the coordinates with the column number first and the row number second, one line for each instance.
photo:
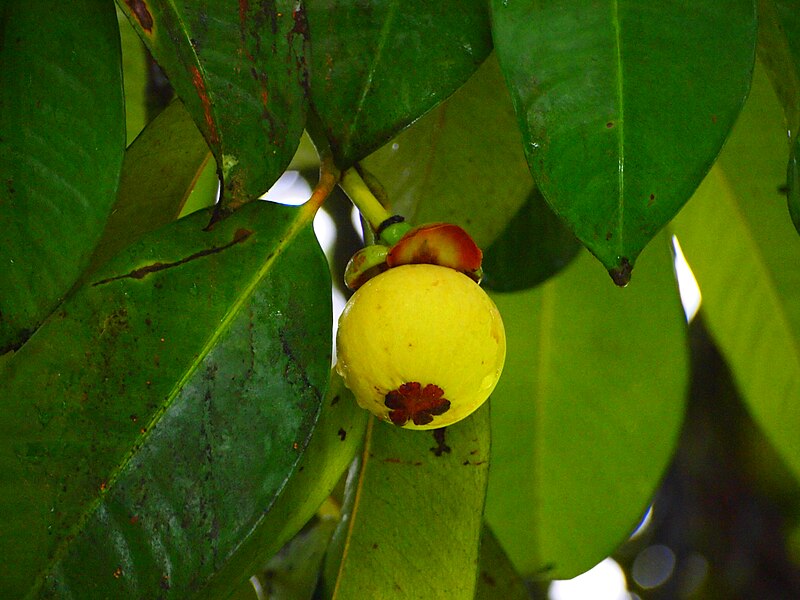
column 241, row 73
column 336, row 438
column 61, row 146
column 379, row 65
column 412, row 513
column 623, row 106
column 158, row 173
column 744, row 254
column 586, row 414
column 151, row 420
column 462, row 163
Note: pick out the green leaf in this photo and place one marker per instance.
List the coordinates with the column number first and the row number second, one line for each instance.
column 462, row 163
column 793, row 184
column 241, row 74
column 779, row 51
column 151, row 421
column 62, row 137
column 587, row 413
column 744, row 254
column 534, row 246
column 623, row 106
column 134, row 69
column 158, row 173
column 411, row 519
column 379, row 65
column 497, row 577
column 293, row 574
column 337, row 437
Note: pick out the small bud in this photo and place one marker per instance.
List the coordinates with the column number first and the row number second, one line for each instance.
column 441, row 244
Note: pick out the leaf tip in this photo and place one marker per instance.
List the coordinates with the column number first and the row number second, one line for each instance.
column 621, row 274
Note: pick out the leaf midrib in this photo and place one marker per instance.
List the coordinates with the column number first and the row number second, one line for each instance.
column 365, row 459
column 619, row 129
column 302, row 218
column 370, row 74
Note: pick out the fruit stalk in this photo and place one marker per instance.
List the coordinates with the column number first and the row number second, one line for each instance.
column 366, row 202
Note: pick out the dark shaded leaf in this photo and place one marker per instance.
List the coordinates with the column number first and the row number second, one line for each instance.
column 241, row 74
column 534, row 246
column 587, row 413
column 779, row 51
column 623, row 106
column 379, row 65
column 158, row 173
column 293, row 574
column 337, row 437
column 497, row 578
column 152, row 419
column 793, row 184
column 62, row 135
column 411, row 519
column 462, row 163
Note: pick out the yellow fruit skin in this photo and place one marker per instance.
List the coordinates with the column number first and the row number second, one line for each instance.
column 420, row 325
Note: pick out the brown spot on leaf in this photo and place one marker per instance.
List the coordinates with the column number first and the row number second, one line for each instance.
column 200, row 85
column 142, row 272
column 141, row 13
column 342, row 434
column 413, row 402
column 441, row 447
column 622, row 273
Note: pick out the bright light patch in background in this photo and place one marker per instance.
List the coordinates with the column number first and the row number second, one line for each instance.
column 291, row 189
column 687, row 284
column 606, row 581
column 355, row 219
column 644, row 524
column 325, row 230
column 653, row 566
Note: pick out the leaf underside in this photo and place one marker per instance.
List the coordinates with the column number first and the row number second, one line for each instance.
column 586, row 414
column 412, row 513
